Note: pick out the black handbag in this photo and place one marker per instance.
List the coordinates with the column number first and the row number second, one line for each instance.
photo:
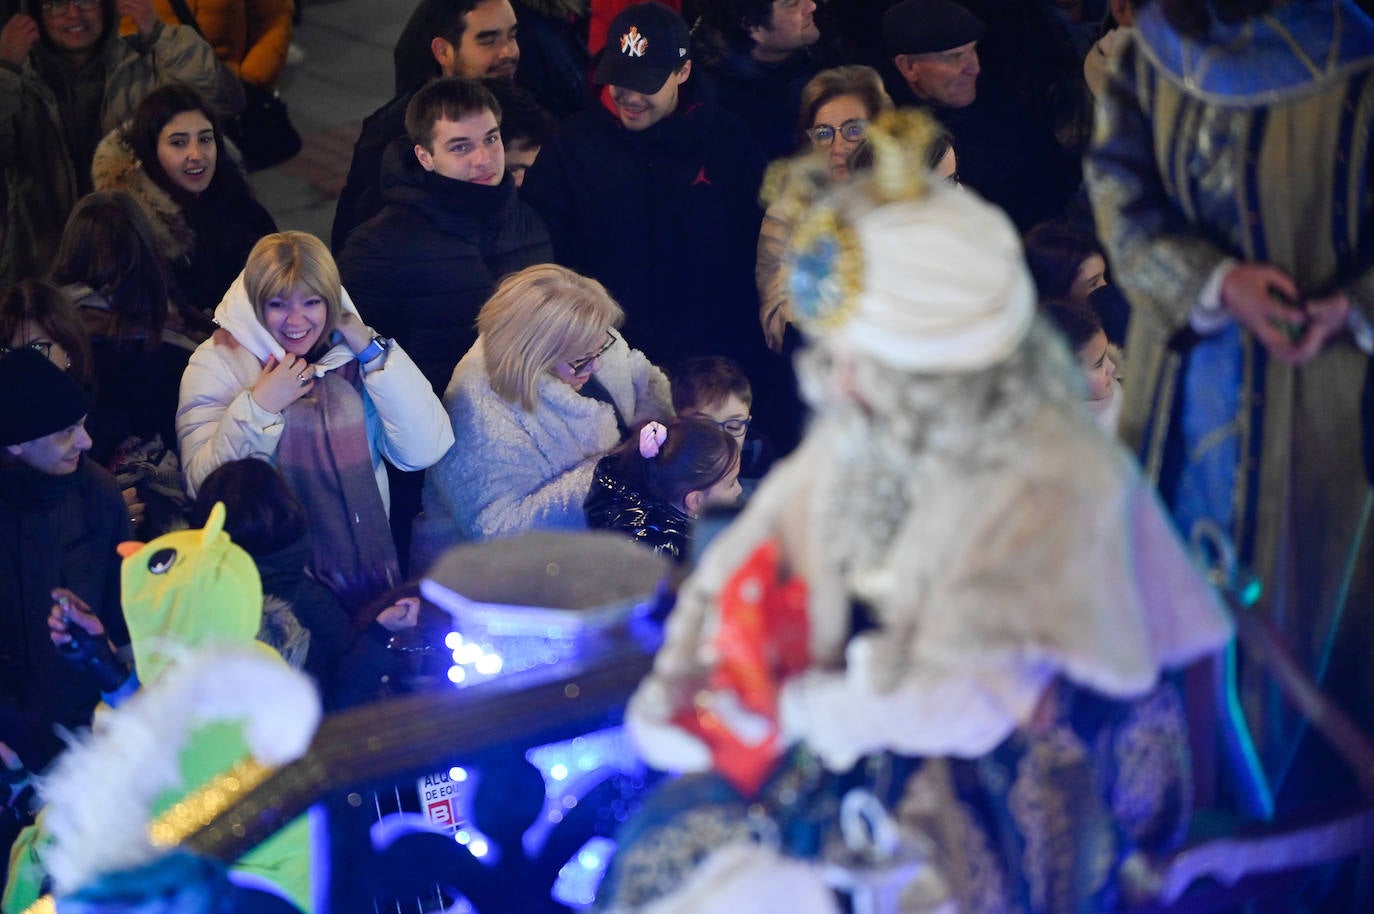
column 266, row 135
column 263, row 130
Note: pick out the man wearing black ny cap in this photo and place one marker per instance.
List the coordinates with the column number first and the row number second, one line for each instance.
column 653, row 193
column 1005, row 151
column 61, row 517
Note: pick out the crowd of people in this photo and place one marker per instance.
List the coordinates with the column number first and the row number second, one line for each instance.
column 605, row 265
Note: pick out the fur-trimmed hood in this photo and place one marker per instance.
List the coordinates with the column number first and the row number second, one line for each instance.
column 116, row 167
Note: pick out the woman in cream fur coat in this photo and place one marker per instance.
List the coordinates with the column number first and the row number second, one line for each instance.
column 546, row 391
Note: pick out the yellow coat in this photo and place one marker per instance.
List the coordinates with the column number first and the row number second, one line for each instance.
column 250, row 36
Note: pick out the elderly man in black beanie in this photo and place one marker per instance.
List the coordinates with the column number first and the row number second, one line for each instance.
column 61, row 517
column 1005, row 152
column 934, row 45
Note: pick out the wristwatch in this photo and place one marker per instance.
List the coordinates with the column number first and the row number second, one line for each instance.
column 373, row 349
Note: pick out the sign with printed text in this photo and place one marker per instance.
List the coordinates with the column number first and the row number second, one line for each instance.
column 439, row 798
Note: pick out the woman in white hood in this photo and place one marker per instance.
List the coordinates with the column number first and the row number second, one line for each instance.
column 293, row 375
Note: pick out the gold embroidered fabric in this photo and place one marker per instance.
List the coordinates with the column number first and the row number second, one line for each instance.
column 197, row 810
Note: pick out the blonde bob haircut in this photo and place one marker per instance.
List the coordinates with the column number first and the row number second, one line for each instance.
column 543, row 315
column 280, row 264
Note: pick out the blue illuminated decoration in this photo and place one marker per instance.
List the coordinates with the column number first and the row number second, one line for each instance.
column 601, row 761
column 481, row 661
column 572, row 768
column 592, row 783
column 580, row 878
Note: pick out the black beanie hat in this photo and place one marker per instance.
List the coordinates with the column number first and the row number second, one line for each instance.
column 929, row 26
column 36, row 397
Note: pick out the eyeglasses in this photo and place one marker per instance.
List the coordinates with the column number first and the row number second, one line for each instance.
column 44, row 347
column 57, row 7
column 579, row 366
column 736, row 428
column 853, row 130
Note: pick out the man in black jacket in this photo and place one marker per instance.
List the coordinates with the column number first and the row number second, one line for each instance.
column 450, row 228
column 553, row 58
column 470, row 38
column 63, row 516
column 1006, row 146
column 653, row 193
column 760, row 53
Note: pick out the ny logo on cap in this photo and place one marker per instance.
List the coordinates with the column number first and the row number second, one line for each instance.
column 633, row 44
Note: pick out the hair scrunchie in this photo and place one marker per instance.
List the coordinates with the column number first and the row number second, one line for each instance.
column 651, row 438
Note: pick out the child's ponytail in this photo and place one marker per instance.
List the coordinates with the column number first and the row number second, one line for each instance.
column 666, row 461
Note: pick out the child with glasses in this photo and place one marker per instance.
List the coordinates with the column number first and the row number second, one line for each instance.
column 715, row 388
column 661, row 479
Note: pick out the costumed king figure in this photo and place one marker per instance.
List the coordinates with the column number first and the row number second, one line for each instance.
column 926, row 667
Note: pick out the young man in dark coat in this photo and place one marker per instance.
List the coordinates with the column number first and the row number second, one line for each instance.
column 475, row 39
column 451, row 227
column 653, row 193
column 63, row 516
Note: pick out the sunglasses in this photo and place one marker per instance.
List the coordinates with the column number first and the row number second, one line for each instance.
column 578, row 366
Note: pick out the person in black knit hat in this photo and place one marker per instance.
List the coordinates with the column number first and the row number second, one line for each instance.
column 63, row 516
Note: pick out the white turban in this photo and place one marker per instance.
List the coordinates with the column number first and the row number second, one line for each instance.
column 944, row 287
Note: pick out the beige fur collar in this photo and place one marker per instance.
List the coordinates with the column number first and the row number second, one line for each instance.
column 115, row 167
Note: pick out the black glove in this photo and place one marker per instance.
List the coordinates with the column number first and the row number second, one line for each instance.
column 94, row 654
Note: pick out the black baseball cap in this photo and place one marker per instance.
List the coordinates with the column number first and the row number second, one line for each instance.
column 645, row 44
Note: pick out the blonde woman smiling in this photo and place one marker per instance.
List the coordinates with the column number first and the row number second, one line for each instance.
column 547, row 390
column 294, row 375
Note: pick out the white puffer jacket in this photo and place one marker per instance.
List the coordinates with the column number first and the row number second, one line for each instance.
column 218, row 420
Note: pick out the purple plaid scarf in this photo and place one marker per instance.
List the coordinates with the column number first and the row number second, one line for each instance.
column 325, row 458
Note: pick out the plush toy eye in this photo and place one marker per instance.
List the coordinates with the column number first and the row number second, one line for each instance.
column 162, row 561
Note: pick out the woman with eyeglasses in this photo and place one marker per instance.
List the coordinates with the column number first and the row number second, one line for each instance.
column 548, row 389
column 836, row 107
column 37, row 315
